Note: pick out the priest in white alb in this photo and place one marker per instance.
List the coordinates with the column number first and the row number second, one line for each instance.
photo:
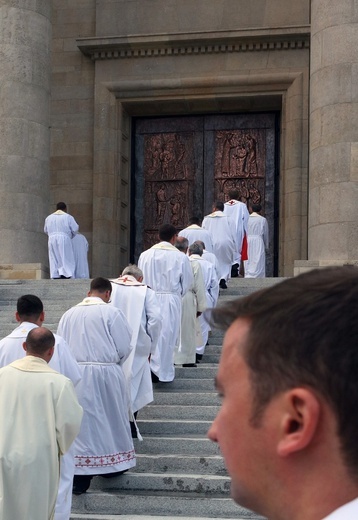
column 258, row 244
column 40, row 417
column 223, row 233
column 211, row 283
column 193, row 305
column 239, row 213
column 168, row 273
column 100, row 338
column 80, row 251
column 61, row 228
column 140, row 306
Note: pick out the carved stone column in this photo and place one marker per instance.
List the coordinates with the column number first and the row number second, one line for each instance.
column 333, row 171
column 25, row 46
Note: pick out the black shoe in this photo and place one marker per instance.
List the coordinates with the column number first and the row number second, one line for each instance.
column 223, row 284
column 188, row 365
column 81, row 483
column 235, row 270
column 198, row 358
column 155, row 378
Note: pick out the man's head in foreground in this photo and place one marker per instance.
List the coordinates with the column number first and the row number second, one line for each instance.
column 288, row 378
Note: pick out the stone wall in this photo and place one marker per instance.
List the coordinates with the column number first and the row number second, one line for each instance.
column 167, row 57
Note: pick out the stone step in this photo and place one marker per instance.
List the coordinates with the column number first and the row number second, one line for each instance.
column 198, row 372
column 174, row 427
column 185, row 445
column 76, row 516
column 188, row 385
column 187, row 398
column 159, row 503
column 171, row 463
column 172, row 482
column 179, row 412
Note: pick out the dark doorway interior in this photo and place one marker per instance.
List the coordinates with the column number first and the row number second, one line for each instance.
column 183, row 164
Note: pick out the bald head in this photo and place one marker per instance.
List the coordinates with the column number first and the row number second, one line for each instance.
column 181, row 243
column 40, row 342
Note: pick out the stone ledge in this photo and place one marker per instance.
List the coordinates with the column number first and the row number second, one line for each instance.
column 156, row 45
column 23, row 271
column 303, row 266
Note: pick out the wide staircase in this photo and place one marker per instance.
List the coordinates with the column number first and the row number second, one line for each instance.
column 180, row 472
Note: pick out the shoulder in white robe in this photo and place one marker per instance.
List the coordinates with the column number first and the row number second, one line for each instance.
column 194, row 233
column 45, row 419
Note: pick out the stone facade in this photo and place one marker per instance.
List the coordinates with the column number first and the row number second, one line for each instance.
column 115, row 60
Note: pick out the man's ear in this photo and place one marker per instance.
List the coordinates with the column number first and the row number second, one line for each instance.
column 17, row 316
column 24, row 346
column 301, row 412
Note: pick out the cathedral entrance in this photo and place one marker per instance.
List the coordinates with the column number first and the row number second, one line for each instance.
column 183, row 164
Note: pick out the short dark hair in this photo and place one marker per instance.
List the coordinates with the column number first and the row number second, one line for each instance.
column 195, row 220
column 61, row 205
column 100, row 285
column 256, row 207
column 234, row 193
column 304, row 331
column 219, row 205
column 166, row 232
column 39, row 340
column 29, row 306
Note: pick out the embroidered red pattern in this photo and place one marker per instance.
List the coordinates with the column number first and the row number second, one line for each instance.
column 104, row 460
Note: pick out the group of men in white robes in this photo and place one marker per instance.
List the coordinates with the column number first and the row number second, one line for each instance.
column 106, row 356
column 67, row 249
column 40, row 417
column 30, row 315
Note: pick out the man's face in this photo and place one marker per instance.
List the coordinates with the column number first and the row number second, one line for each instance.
column 245, row 448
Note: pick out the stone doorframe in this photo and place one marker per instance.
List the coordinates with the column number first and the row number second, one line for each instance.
column 115, row 102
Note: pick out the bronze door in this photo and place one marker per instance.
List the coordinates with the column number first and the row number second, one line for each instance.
column 183, row 164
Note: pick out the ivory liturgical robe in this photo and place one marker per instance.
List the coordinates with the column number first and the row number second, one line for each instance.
column 193, row 301
column 60, row 228
column 140, row 306
column 40, row 417
column 167, row 271
column 100, row 339
column 211, row 283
